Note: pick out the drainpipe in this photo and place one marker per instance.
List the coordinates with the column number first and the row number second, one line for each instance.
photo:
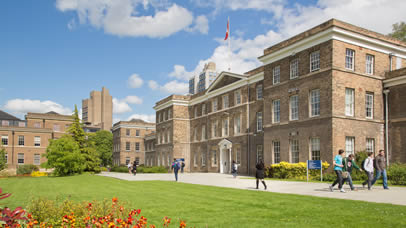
column 386, row 92
column 248, row 128
column 390, row 61
column 12, row 147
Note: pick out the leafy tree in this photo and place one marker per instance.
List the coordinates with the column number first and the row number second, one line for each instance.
column 76, row 129
column 3, row 161
column 399, row 31
column 103, row 142
column 65, row 156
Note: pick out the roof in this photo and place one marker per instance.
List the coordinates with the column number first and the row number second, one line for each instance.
column 6, row 116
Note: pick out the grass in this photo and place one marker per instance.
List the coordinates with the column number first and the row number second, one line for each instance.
column 205, row 206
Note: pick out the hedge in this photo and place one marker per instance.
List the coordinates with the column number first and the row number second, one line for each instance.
column 27, row 169
column 141, row 169
column 285, row 170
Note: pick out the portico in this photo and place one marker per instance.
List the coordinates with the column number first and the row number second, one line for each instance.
column 225, row 146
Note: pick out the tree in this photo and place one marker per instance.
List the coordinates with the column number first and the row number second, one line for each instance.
column 3, row 161
column 76, row 129
column 64, row 155
column 103, row 142
column 399, row 31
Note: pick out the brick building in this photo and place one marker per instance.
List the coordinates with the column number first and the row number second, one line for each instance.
column 316, row 92
column 97, row 111
column 150, row 153
column 26, row 141
column 128, row 141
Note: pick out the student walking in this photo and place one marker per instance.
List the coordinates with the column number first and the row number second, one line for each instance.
column 134, row 169
column 380, row 166
column 338, row 169
column 349, row 163
column 182, row 167
column 259, row 174
column 175, row 166
column 369, row 169
column 234, row 168
column 129, row 166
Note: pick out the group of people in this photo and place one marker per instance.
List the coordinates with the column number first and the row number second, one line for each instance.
column 343, row 167
column 132, row 167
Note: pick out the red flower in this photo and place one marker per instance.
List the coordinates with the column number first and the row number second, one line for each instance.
column 115, row 199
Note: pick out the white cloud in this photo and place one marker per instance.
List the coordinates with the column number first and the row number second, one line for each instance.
column 134, row 81
column 153, row 85
column 123, row 17
column 145, row 117
column 133, row 100
column 201, row 25
column 22, row 106
column 72, row 24
column 181, row 73
column 120, row 106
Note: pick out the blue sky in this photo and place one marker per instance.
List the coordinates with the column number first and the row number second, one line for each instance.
column 53, row 53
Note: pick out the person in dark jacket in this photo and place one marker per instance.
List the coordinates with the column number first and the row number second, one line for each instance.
column 134, row 169
column 349, row 164
column 380, row 168
column 175, row 166
column 259, row 174
column 234, row 168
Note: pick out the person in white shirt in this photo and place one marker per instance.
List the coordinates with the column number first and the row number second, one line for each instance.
column 369, row 169
column 129, row 166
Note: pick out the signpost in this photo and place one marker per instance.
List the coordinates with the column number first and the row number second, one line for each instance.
column 314, row 164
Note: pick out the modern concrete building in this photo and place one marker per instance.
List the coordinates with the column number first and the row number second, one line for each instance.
column 97, row 111
column 26, row 141
column 201, row 82
column 129, row 139
column 316, row 93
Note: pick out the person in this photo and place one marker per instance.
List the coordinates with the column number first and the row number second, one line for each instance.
column 175, row 166
column 134, row 168
column 129, row 166
column 380, row 166
column 234, row 168
column 338, row 169
column 369, row 169
column 349, row 163
column 259, row 174
column 182, row 166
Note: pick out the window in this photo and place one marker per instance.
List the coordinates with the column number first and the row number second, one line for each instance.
column 57, row 127
column 294, row 107
column 259, row 91
column 37, row 159
column 203, row 109
column 137, row 160
column 195, row 160
column 204, row 132
column 237, row 95
column 20, row 158
column 294, row 150
column 369, row 64
column 314, row 61
column 4, row 140
column 349, row 59
column 159, row 138
column 369, row 105
column 237, row 124
column 137, row 146
column 225, row 101
column 276, row 111
column 203, row 157
column 195, row 111
column 277, row 151
column 225, row 127
column 195, row 134
column 214, row 104
column 37, row 140
column 349, row 102
column 21, row 124
column 314, row 103
column 294, row 69
column 127, row 132
column 259, row 121
column 315, row 148
column 137, row 133
column 214, row 158
column 164, row 115
column 37, row 125
column 214, row 129
column 159, row 117
column 276, row 72
column 21, row 140
column 4, row 123
column 127, row 146
column 370, row 147
column 260, row 153
column 238, row 154
column 168, row 138
column 349, row 145
column 169, row 116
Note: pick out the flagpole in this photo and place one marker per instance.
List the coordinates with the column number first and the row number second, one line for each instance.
column 229, row 45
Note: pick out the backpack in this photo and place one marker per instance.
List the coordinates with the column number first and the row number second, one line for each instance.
column 363, row 163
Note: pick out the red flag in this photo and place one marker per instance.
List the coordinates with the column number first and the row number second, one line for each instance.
column 228, row 29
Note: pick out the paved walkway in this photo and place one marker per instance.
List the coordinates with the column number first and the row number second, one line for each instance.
column 396, row 195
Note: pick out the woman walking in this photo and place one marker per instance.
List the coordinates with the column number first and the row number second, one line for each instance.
column 259, row 175
column 369, row 169
column 134, row 170
column 338, row 168
column 234, row 168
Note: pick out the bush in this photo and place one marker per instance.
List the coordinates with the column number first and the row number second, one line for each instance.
column 26, row 169
column 285, row 170
column 140, row 169
column 397, row 174
column 39, row 174
column 119, row 169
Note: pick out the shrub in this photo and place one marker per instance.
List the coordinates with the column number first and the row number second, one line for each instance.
column 39, row 174
column 285, row 170
column 140, row 169
column 397, row 174
column 3, row 161
column 26, row 169
column 119, row 169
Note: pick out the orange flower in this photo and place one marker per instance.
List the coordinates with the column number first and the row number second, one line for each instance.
column 115, row 199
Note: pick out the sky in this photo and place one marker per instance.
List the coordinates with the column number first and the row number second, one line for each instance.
column 53, row 53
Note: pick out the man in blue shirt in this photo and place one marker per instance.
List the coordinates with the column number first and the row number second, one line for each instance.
column 338, row 169
column 175, row 167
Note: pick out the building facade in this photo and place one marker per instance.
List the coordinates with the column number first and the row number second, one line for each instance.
column 316, row 93
column 97, row 111
column 128, row 141
column 201, row 82
column 26, row 141
column 150, row 153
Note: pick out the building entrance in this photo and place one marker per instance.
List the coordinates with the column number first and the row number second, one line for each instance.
column 225, row 155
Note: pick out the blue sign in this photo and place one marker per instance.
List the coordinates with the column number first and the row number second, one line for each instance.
column 180, row 159
column 314, row 164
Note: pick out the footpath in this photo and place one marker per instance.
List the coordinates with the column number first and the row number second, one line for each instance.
column 396, row 195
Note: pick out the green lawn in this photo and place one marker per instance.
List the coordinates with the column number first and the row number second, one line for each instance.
column 204, row 205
